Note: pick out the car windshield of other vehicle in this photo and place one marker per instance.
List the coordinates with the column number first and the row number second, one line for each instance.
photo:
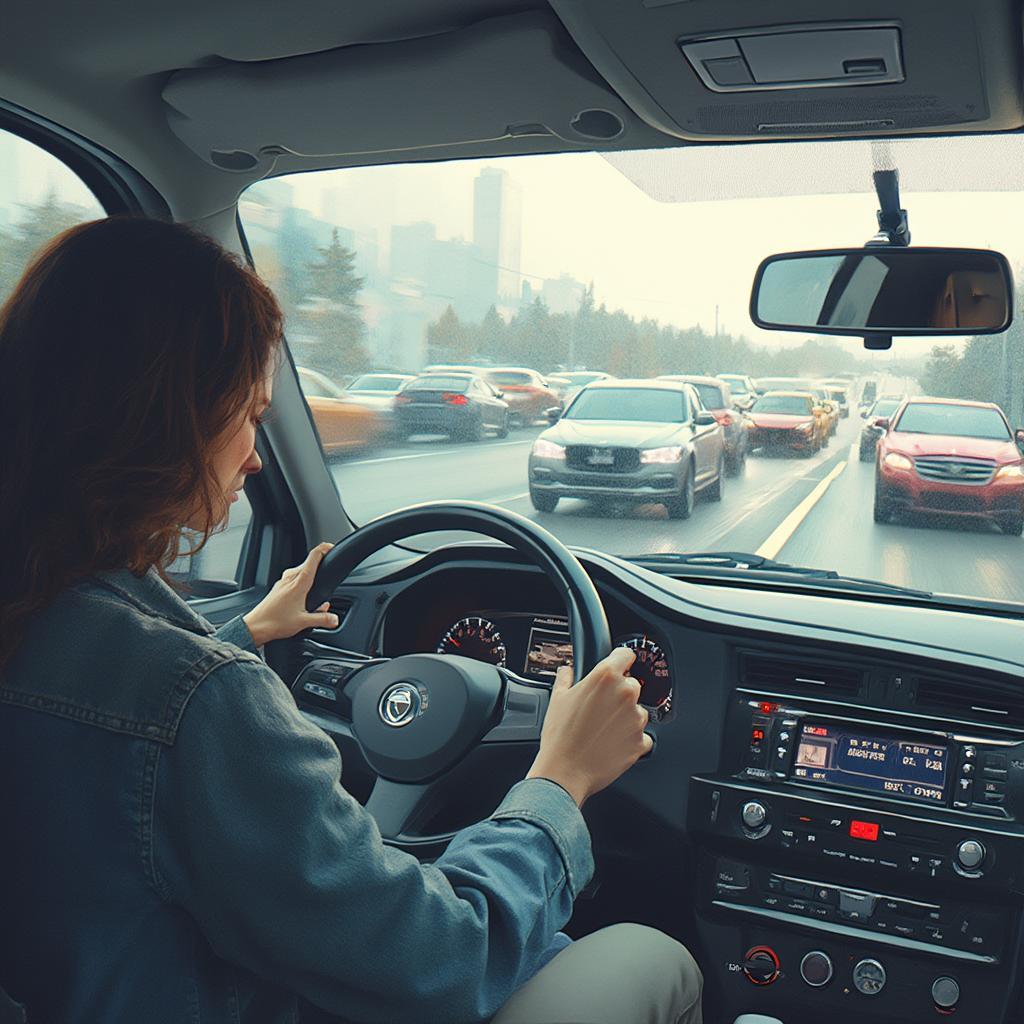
column 437, row 382
column 884, row 407
column 499, row 269
column 372, row 382
column 784, row 405
column 629, row 405
column 952, row 420
column 710, row 396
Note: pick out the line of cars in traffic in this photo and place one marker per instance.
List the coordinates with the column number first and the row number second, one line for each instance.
column 667, row 439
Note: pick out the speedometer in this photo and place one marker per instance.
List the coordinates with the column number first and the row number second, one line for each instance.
column 651, row 671
column 474, row 637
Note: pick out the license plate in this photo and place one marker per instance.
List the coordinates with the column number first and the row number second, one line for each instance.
column 601, row 458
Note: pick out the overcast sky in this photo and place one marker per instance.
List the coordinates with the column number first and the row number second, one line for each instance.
column 673, row 261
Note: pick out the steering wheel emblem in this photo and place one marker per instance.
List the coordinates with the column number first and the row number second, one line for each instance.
column 399, row 704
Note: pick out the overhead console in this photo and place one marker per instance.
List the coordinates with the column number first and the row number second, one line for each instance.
column 739, row 69
column 870, row 857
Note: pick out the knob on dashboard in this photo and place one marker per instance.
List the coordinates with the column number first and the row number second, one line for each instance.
column 816, row 968
column 754, row 815
column 945, row 992
column 969, row 854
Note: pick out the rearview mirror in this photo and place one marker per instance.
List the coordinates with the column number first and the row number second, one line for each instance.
column 885, row 291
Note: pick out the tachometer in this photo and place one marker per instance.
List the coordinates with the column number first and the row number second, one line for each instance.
column 474, row 637
column 651, row 671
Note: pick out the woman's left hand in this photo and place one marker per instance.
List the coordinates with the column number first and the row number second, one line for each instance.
column 282, row 613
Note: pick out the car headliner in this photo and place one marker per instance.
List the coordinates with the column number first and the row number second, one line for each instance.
column 505, row 77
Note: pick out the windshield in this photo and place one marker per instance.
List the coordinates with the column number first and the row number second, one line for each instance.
column 375, row 383
column 710, row 396
column 438, row 382
column 787, row 405
column 501, row 267
column 884, row 407
column 952, row 420
column 630, row 405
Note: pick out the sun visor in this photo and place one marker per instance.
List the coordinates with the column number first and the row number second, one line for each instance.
column 743, row 69
column 519, row 75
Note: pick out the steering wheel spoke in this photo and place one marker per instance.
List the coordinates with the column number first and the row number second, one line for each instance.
column 523, row 714
column 398, row 807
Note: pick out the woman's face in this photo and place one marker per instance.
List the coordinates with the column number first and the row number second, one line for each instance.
column 234, row 453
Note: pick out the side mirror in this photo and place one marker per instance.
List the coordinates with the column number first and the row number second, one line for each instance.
column 498, row 393
column 882, row 422
column 1019, row 436
column 553, row 415
column 705, row 419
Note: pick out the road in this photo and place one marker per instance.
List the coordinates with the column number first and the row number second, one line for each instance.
column 814, row 512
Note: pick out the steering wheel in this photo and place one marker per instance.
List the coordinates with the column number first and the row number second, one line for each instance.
column 418, row 716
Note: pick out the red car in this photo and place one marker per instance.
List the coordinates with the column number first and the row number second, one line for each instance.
column 528, row 395
column 784, row 420
column 954, row 457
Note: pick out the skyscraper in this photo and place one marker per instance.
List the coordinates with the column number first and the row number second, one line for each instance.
column 498, row 233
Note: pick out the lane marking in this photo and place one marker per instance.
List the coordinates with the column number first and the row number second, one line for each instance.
column 505, row 501
column 782, row 533
column 435, row 454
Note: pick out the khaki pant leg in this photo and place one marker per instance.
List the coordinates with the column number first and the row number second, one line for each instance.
column 624, row 974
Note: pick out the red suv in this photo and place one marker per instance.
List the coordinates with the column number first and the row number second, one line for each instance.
column 949, row 456
column 528, row 395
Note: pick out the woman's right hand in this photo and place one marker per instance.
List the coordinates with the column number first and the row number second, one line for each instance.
column 593, row 731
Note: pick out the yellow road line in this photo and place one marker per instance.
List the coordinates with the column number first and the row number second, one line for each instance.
column 781, row 534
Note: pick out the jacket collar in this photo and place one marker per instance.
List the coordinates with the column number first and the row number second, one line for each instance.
column 152, row 596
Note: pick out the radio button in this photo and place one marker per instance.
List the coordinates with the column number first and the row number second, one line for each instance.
column 816, row 969
column 998, row 774
column 995, row 760
column 970, row 753
column 733, row 874
column 754, row 815
column 869, row 977
column 945, row 993
column 856, row 906
column 970, row 854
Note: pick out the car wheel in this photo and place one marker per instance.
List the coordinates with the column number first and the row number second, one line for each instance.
column 714, row 491
column 682, row 507
column 503, row 427
column 1013, row 525
column 543, row 502
column 474, row 431
column 883, row 509
column 735, row 462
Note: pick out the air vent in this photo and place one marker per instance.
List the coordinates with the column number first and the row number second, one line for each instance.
column 341, row 606
column 798, row 675
column 980, row 700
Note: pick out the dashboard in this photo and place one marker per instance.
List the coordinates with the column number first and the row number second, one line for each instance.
column 833, row 816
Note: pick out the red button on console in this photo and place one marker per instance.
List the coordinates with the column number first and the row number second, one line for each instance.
column 863, row 830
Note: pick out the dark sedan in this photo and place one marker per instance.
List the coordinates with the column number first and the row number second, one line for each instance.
column 462, row 405
column 639, row 441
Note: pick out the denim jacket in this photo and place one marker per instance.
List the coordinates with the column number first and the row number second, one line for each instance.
column 175, row 845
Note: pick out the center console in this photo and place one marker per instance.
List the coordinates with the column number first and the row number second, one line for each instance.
column 870, row 860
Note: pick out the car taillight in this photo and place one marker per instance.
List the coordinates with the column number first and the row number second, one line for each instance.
column 402, row 399
column 454, row 399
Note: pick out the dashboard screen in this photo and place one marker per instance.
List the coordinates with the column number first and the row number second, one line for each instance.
column 843, row 756
column 548, row 647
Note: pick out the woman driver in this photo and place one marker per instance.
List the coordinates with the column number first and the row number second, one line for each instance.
column 177, row 846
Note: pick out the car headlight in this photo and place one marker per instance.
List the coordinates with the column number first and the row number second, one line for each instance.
column 658, row 455
column 805, row 427
column 548, row 449
column 1014, row 471
column 896, row 461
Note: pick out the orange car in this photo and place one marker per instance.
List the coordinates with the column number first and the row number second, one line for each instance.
column 344, row 426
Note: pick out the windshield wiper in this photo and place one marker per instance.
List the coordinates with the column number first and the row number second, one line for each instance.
column 740, row 562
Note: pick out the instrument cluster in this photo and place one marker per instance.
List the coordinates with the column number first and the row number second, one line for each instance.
column 535, row 646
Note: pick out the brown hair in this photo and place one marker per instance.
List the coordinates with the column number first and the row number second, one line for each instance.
column 126, row 349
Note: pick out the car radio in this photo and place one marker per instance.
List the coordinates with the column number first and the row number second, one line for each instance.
column 771, row 741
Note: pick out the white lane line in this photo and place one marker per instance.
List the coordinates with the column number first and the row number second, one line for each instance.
column 505, row 501
column 434, row 454
column 781, row 534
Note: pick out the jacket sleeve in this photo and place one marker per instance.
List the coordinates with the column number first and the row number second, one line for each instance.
column 287, row 876
column 236, row 632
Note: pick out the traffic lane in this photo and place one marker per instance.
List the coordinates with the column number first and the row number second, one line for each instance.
column 940, row 554
column 754, row 502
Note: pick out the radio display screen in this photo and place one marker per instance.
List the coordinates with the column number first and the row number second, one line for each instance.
column 842, row 755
